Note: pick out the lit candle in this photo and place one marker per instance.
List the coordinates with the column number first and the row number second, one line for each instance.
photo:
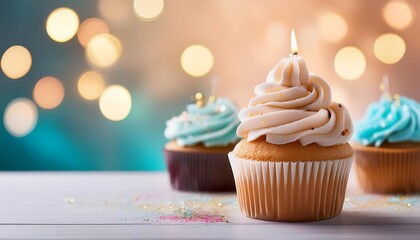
column 213, row 83
column 283, row 72
column 386, row 94
column 294, row 48
column 384, row 87
column 293, row 61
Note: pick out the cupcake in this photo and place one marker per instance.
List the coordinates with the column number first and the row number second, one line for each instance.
column 387, row 146
column 200, row 139
column 294, row 161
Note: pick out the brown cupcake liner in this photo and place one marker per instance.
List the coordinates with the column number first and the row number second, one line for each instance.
column 290, row 191
column 388, row 171
column 199, row 172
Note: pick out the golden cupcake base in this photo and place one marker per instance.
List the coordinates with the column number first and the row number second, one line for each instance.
column 388, row 169
column 289, row 190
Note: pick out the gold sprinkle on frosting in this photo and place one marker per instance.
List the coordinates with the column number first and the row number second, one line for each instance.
column 212, row 99
column 397, row 99
column 200, row 100
column 345, row 132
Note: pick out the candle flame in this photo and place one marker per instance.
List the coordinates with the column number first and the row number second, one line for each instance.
column 294, row 47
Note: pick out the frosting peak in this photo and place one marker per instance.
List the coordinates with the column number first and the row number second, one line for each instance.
column 289, row 72
column 295, row 105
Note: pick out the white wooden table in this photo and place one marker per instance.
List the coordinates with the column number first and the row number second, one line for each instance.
column 130, row 205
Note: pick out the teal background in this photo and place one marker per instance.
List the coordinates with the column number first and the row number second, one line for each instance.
column 75, row 135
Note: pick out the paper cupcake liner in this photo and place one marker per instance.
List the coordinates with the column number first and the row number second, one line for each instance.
column 199, row 172
column 290, row 191
column 388, row 172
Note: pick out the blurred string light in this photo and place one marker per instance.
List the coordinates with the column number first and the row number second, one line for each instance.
column 114, row 10
column 48, row 93
column 89, row 28
column 103, row 50
column 62, row 24
column 20, row 117
column 16, row 62
column 389, row 48
column 276, row 33
column 148, row 10
column 350, row 63
column 332, row 27
column 115, row 103
column 197, row 60
column 398, row 14
column 91, row 85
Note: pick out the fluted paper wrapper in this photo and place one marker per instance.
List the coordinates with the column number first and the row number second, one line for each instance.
column 199, row 172
column 388, row 172
column 290, row 191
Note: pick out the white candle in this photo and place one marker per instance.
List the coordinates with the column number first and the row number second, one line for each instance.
column 384, row 87
column 214, row 82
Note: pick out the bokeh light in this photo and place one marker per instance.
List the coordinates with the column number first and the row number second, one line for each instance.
column 389, row 48
column 197, row 60
column 48, row 93
column 62, row 24
column 20, row 117
column 114, row 10
column 276, row 33
column 103, row 50
column 16, row 62
column 90, row 85
column 115, row 103
column 148, row 10
column 350, row 63
column 398, row 14
column 89, row 28
column 332, row 27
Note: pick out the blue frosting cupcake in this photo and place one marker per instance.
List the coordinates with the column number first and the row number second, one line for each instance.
column 213, row 125
column 199, row 141
column 387, row 146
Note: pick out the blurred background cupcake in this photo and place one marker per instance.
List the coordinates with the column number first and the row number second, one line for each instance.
column 387, row 145
column 200, row 139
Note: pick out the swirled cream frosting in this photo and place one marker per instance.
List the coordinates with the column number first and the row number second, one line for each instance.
column 295, row 105
column 212, row 125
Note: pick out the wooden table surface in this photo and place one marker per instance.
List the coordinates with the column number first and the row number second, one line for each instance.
column 135, row 205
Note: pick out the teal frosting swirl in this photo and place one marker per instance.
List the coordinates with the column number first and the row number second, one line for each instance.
column 389, row 121
column 213, row 125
